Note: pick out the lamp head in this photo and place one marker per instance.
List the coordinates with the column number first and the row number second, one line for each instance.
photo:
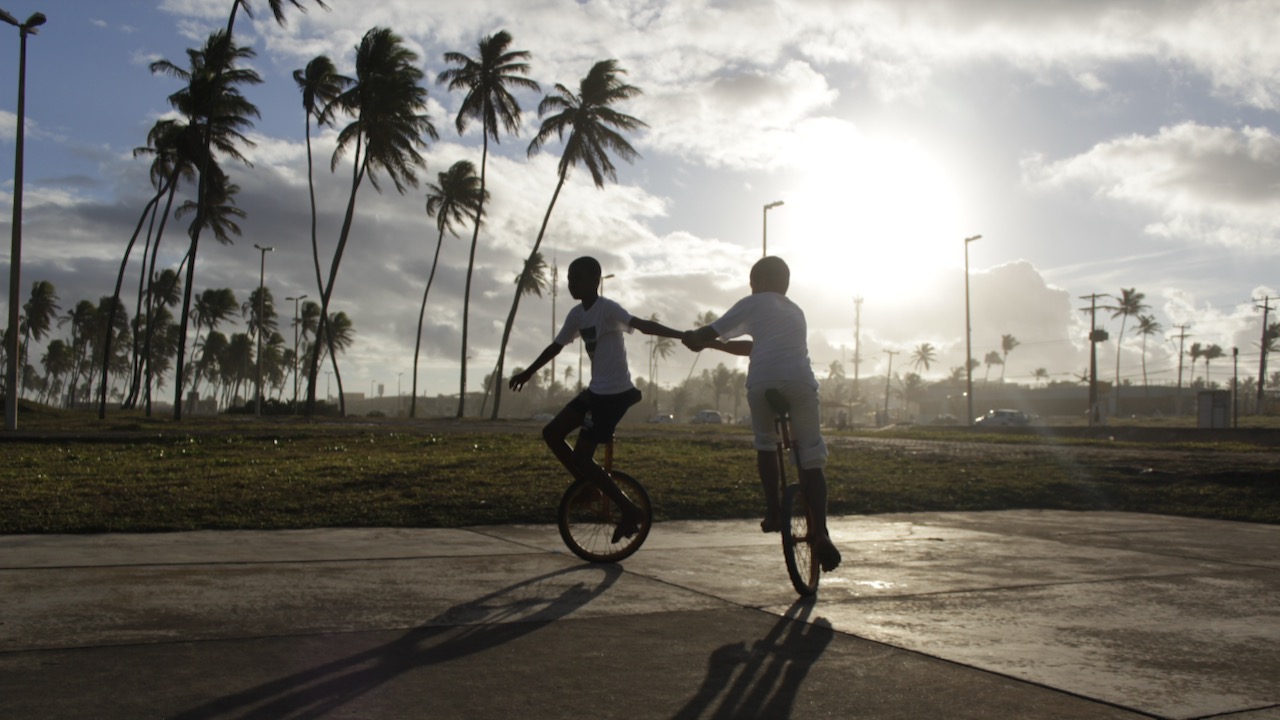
column 33, row 22
column 5, row 16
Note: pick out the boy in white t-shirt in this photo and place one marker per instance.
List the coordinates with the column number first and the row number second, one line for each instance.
column 779, row 353
column 600, row 322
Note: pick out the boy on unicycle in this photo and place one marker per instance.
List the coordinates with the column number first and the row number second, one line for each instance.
column 600, row 322
column 779, row 353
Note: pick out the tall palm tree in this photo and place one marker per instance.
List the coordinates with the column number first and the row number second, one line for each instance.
column 530, row 281
column 38, row 315
column 1195, row 352
column 57, row 361
column 1213, row 352
column 213, row 306
column 321, row 85
column 457, row 196
column 1041, row 375
column 214, row 117
column 1147, row 326
column 594, row 130
column 923, row 355
column 1007, row 344
column 388, row 107
column 660, row 348
column 992, row 358
column 704, row 318
column 486, row 79
column 1128, row 304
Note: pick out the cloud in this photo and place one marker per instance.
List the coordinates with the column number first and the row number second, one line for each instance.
column 1208, row 184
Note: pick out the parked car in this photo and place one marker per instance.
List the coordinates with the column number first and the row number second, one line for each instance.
column 662, row 418
column 708, row 417
column 543, row 417
column 1003, row 418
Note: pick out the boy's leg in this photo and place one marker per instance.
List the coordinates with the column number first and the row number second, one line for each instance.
column 770, row 479
column 766, row 441
column 556, row 432
column 805, row 424
column 606, row 412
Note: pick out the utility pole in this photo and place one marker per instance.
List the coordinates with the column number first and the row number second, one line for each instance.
column 857, row 343
column 1095, row 336
column 1181, row 337
column 888, row 376
column 1262, row 363
column 1235, row 387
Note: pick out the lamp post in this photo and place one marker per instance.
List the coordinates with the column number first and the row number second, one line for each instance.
column 262, row 271
column 15, row 255
column 764, row 241
column 968, row 334
column 295, row 300
column 398, row 376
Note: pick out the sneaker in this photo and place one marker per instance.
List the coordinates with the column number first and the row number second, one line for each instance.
column 627, row 528
column 828, row 555
column 770, row 525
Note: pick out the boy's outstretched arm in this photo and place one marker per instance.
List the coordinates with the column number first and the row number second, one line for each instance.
column 519, row 379
column 649, row 327
column 705, row 337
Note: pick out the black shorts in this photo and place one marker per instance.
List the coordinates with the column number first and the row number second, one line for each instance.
column 603, row 412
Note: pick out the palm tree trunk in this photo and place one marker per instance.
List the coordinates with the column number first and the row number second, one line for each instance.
column 146, row 344
column 115, row 299
column 471, row 264
column 321, row 328
column 135, row 378
column 515, row 303
column 315, row 254
column 422, row 311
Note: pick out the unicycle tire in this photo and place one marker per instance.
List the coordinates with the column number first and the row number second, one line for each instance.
column 802, row 563
column 588, row 518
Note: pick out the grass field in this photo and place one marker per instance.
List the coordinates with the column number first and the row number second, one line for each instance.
column 69, row 472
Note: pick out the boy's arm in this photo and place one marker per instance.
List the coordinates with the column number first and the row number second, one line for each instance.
column 649, row 327
column 519, row 379
column 705, row 337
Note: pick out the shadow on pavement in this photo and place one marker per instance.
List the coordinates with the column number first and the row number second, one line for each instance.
column 763, row 680
column 490, row 621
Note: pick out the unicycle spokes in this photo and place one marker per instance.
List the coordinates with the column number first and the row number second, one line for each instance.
column 802, row 564
column 588, row 518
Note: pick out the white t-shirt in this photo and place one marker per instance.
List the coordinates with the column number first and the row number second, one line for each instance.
column 601, row 328
column 779, row 335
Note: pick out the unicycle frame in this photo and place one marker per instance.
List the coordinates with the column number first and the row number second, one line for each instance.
column 797, row 515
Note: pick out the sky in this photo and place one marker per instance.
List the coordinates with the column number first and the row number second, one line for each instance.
column 1093, row 145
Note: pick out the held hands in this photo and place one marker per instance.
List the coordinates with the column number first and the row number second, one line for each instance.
column 690, row 340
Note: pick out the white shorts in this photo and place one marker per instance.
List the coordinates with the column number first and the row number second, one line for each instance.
column 806, row 432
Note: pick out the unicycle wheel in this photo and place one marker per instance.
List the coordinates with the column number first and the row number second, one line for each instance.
column 587, row 519
column 802, row 564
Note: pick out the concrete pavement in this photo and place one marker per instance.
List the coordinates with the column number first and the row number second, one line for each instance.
column 1018, row 614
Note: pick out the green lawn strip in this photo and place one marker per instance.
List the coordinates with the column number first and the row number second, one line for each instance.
column 378, row 478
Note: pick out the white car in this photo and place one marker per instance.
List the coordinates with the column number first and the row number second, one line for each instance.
column 1003, row 418
column 662, row 418
column 707, row 417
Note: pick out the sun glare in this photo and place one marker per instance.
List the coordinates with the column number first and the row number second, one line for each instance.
column 876, row 217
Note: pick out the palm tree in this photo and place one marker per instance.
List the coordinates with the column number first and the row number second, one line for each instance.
column 212, row 308
column 486, row 79
column 57, row 361
column 1195, row 352
column 704, row 318
column 992, row 358
column 1041, row 375
column 388, row 106
column 530, row 281
column 457, row 196
column 660, row 348
column 1007, row 344
column 595, row 128
column 1130, row 304
column 321, row 86
column 216, row 117
column 1213, row 352
column 1147, row 326
column 38, row 315
column 923, row 355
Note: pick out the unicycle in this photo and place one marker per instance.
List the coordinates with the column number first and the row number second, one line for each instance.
column 588, row 517
column 797, row 545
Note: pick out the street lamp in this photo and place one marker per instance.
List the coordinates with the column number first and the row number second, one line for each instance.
column 968, row 334
column 398, row 376
column 262, row 269
column 295, row 300
column 15, row 254
column 764, row 242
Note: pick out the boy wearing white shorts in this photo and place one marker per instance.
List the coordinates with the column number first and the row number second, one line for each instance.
column 779, row 353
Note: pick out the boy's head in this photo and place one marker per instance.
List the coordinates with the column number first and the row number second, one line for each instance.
column 584, row 277
column 770, row 274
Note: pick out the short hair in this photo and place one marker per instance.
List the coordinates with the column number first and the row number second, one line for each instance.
column 771, row 274
column 588, row 266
